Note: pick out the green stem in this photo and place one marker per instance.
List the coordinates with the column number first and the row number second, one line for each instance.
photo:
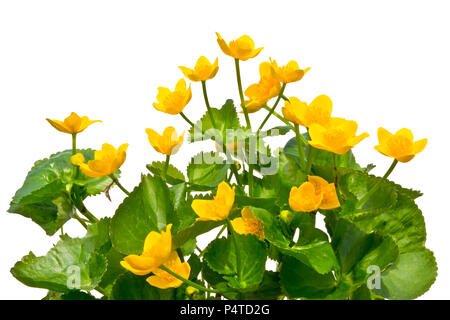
column 284, row 98
column 189, row 282
column 205, row 96
column 76, row 169
column 241, row 93
column 80, row 220
column 225, row 151
column 116, row 181
column 250, row 180
column 276, row 114
column 235, row 242
column 187, row 119
column 299, row 138
column 367, row 196
column 309, row 160
column 85, row 212
column 271, row 111
column 74, row 143
column 166, row 166
column 336, row 181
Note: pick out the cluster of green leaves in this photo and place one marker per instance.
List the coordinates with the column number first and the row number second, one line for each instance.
column 388, row 232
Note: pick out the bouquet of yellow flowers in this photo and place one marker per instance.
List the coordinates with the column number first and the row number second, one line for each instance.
column 261, row 204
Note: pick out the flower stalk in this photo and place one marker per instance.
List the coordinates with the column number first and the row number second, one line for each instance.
column 374, row 189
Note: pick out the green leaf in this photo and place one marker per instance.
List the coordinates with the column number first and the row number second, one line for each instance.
column 410, row 277
column 173, row 175
column 404, row 223
column 198, row 228
column 221, row 256
column 71, row 264
column 276, row 131
column 207, row 170
column 300, row 281
column 289, row 171
column 357, row 184
column 148, row 208
column 131, row 287
column 357, row 250
column 44, row 197
column 225, row 118
column 72, row 295
column 269, row 289
column 317, row 254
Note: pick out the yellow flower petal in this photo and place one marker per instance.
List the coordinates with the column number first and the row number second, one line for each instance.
column 164, row 280
column 219, row 207
column 77, row 159
column 304, row 198
column 242, row 48
column 73, row 124
column 106, row 161
column 173, row 102
column 248, row 224
column 400, row 145
column 168, row 143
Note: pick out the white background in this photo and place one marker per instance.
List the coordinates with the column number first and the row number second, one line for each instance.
column 383, row 63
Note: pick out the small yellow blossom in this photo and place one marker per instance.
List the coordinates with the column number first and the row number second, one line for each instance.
column 218, row 208
column 248, row 224
column 157, row 250
column 72, row 124
column 286, row 216
column 173, row 102
column 400, row 145
column 314, row 194
column 267, row 88
column 254, row 105
column 106, row 161
column 77, row 159
column 318, row 111
column 168, row 143
column 338, row 136
column 190, row 291
column 243, row 48
column 305, row 198
column 291, row 72
column 202, row 71
column 164, row 280
column 328, row 190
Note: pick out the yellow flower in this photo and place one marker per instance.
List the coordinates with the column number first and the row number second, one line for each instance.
column 254, row 105
column 157, row 250
column 248, row 224
column 77, row 159
column 243, row 48
column 173, row 102
column 168, row 143
column 288, row 73
column 328, row 190
column 217, row 209
column 400, row 146
column 106, row 161
column 338, row 136
column 164, row 280
column 202, row 71
column 267, row 88
column 314, row 194
column 72, row 124
column 318, row 111
column 305, row 198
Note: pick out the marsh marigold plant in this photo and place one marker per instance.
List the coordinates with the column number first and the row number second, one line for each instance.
column 323, row 220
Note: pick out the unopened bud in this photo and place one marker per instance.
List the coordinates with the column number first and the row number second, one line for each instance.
column 286, row 216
